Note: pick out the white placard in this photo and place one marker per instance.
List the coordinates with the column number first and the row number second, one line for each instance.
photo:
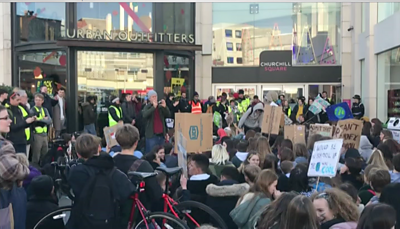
column 396, row 135
column 325, row 157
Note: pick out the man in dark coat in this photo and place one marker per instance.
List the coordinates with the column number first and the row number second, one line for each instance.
column 41, row 203
column 48, row 103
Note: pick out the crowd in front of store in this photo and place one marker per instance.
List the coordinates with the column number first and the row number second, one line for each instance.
column 249, row 178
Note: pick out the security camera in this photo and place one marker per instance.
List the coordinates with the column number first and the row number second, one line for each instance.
column 350, row 28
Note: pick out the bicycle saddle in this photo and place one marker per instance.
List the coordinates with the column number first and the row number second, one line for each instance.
column 169, row 171
column 142, row 176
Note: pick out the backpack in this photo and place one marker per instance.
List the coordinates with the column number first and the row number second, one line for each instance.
column 209, row 109
column 99, row 205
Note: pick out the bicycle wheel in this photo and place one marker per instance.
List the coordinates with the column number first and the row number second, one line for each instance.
column 56, row 217
column 199, row 214
column 161, row 220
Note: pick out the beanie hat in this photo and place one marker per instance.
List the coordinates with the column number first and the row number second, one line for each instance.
column 42, row 185
column 195, row 94
column 352, row 153
column 241, row 92
column 151, row 93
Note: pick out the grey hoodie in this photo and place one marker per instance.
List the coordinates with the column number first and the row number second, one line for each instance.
column 365, row 147
column 394, row 177
column 254, row 119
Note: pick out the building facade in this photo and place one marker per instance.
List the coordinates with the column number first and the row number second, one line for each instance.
column 376, row 57
column 314, row 33
column 103, row 49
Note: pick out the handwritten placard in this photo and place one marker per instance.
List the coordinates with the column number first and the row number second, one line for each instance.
column 182, row 153
column 324, row 130
column 325, row 157
column 337, row 132
column 351, row 133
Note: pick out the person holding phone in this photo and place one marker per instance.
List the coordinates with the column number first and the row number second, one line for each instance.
column 154, row 114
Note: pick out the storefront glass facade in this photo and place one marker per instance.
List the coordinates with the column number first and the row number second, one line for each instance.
column 241, row 31
column 143, row 38
column 387, row 9
column 388, row 87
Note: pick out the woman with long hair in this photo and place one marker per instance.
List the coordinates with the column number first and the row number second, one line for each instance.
column 376, row 132
column 301, row 153
column 335, row 208
column 298, row 180
column 263, row 149
column 376, row 216
column 12, row 173
column 277, row 144
column 386, row 134
column 260, row 194
column 219, row 160
column 229, row 146
column 378, row 160
column 156, row 157
column 252, row 144
column 273, row 216
column 301, row 214
column 252, row 159
column 394, row 147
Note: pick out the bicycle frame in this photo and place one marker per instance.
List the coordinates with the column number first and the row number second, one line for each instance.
column 167, row 205
column 142, row 210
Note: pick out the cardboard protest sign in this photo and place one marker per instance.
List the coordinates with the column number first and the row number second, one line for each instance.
column 197, row 130
column 337, row 132
column 351, row 133
column 295, row 133
column 271, row 119
column 109, row 134
column 325, row 157
column 340, row 111
column 182, row 153
column 324, row 130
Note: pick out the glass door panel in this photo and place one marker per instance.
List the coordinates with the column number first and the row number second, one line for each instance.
column 292, row 93
column 249, row 91
column 229, row 90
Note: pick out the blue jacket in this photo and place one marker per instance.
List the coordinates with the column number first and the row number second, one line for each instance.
column 17, row 197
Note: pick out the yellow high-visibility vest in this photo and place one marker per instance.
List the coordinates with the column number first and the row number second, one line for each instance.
column 118, row 111
column 24, row 115
column 42, row 114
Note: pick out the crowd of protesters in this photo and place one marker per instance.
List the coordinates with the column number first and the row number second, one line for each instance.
column 251, row 180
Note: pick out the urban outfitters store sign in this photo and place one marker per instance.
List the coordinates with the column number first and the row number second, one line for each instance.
column 131, row 36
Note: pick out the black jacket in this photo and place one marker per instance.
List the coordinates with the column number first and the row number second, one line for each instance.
column 128, row 112
column 17, row 127
column 172, row 108
column 358, row 110
column 184, row 106
column 295, row 110
column 37, row 208
column 29, row 115
column 49, row 103
column 153, row 191
column 222, row 198
column 89, row 114
column 80, row 174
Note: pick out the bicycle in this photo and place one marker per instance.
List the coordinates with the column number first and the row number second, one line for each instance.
column 184, row 209
column 150, row 220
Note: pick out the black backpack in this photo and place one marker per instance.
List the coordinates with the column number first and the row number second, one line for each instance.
column 98, row 205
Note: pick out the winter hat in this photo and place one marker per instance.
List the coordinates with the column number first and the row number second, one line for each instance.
column 236, row 95
column 115, row 100
column 151, row 93
column 42, row 185
column 352, row 153
column 241, row 92
column 195, row 94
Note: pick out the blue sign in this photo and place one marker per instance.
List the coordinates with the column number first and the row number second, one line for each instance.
column 340, row 111
column 193, row 132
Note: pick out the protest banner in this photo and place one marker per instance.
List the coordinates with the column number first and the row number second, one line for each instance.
column 351, row 133
column 318, row 105
column 271, row 119
column 295, row 133
column 325, row 157
column 337, row 132
column 340, row 111
column 197, row 130
column 182, row 153
column 396, row 135
column 322, row 129
column 109, row 134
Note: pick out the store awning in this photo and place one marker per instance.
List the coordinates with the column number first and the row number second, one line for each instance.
column 126, row 45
